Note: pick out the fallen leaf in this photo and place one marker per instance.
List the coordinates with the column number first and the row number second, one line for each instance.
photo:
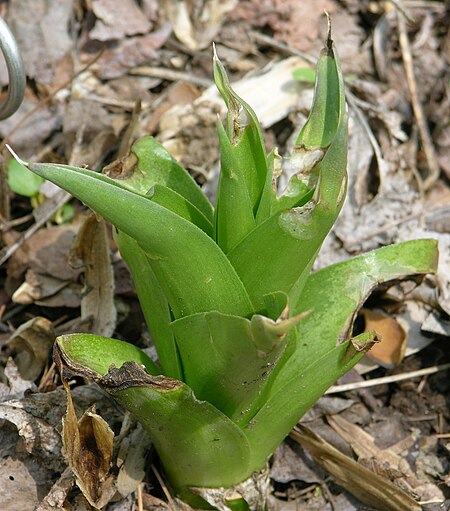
column 370, row 488
column 91, row 250
column 41, row 28
column 196, row 23
column 32, row 343
column 390, row 351
column 119, row 57
column 117, row 19
column 54, row 500
column 88, row 443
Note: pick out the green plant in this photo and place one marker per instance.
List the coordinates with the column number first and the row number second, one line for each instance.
column 247, row 337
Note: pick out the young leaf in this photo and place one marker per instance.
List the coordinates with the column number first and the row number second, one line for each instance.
column 244, row 165
column 21, row 180
column 287, row 242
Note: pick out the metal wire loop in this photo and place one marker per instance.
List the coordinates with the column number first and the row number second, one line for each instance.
column 16, row 73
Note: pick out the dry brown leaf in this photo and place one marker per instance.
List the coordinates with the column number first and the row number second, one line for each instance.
column 196, row 23
column 91, row 249
column 390, row 351
column 42, row 31
column 118, row 58
column 32, row 343
column 370, row 488
column 117, row 19
column 88, row 443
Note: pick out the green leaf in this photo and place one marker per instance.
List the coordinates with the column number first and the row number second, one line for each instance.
column 21, row 180
column 287, row 243
column 181, row 206
column 99, row 353
column 234, row 209
column 312, row 362
column 244, row 163
column 197, row 444
column 154, row 304
column 194, row 273
column 148, row 164
column 227, row 359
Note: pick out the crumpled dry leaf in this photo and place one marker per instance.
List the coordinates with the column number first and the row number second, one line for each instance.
column 91, row 250
column 368, row 487
column 117, row 19
column 17, row 385
column 54, row 500
column 196, row 23
column 41, row 28
column 88, row 132
column 32, row 343
column 88, row 443
column 290, row 463
column 49, row 279
column 384, row 462
column 38, row 128
column 118, row 58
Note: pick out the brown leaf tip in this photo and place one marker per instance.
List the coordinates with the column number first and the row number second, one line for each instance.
column 132, row 374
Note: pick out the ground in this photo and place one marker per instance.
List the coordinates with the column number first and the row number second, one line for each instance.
column 88, row 63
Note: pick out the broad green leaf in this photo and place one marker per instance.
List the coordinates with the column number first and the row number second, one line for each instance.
column 21, row 180
column 197, row 444
column 99, row 353
column 154, row 304
column 281, row 412
column 243, row 160
column 312, row 362
column 227, row 359
column 148, row 164
column 286, row 243
column 194, row 273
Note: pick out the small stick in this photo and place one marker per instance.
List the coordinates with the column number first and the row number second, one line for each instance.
column 386, row 379
column 163, row 487
column 170, row 74
column 139, row 498
column 428, row 147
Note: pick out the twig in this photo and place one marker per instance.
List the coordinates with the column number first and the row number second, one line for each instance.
column 401, row 9
column 283, row 48
column 427, row 143
column 163, row 487
column 139, row 498
column 170, row 74
column 387, row 379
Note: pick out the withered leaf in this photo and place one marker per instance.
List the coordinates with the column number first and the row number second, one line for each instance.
column 368, row 487
column 97, row 302
column 88, row 443
column 32, row 342
column 117, row 19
